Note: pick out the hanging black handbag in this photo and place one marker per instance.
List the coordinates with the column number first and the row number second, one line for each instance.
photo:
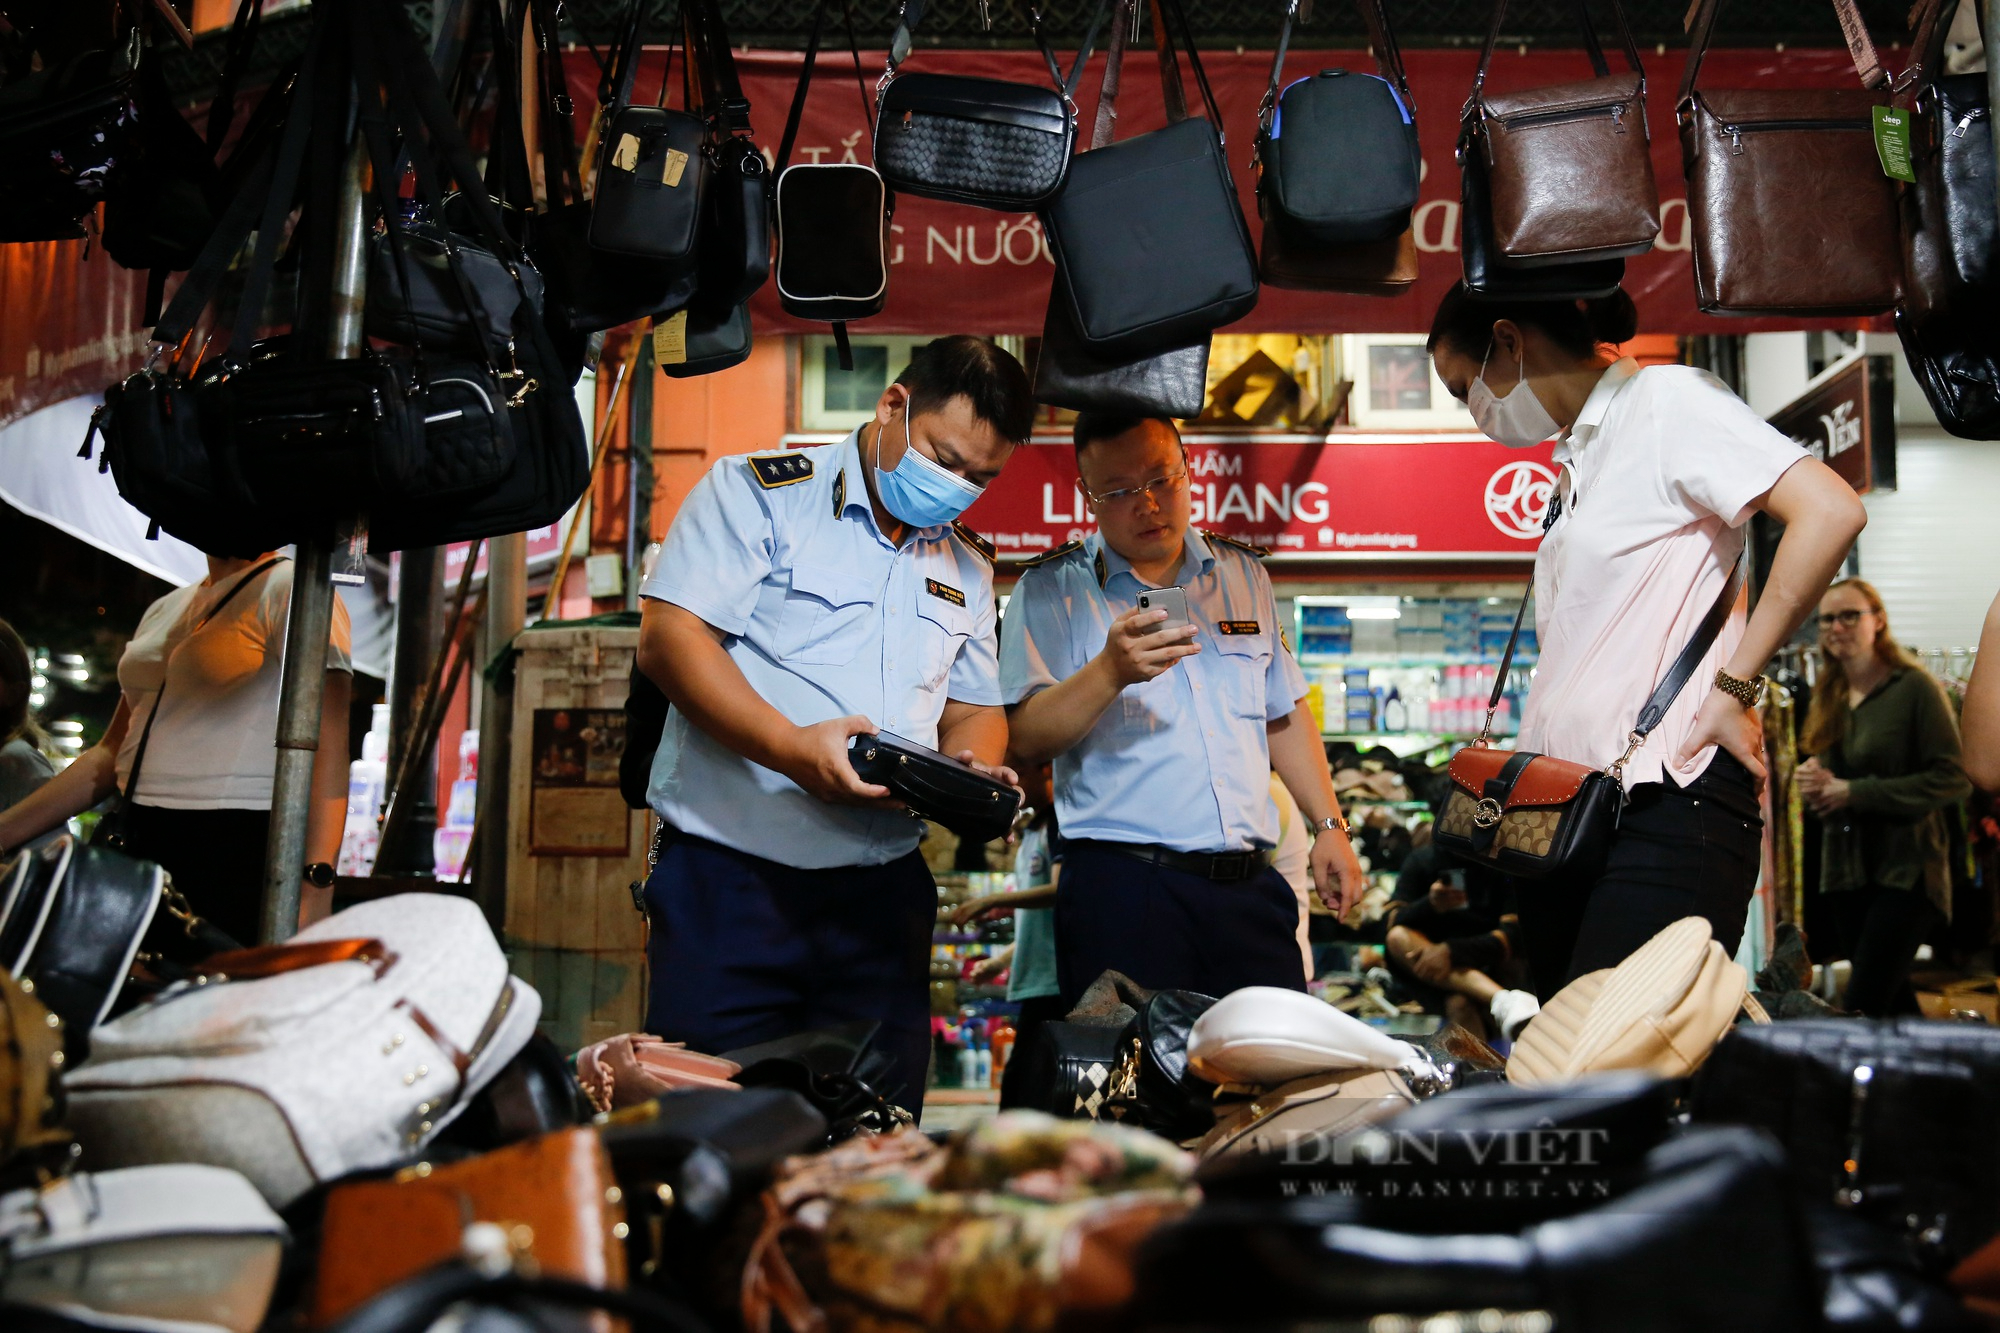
column 1337, row 159
column 983, row 142
column 652, row 170
column 694, row 342
column 1535, row 816
column 1950, row 273
column 160, row 208
column 735, row 249
column 65, row 131
column 832, row 218
column 1888, row 1119
column 414, row 297
column 1148, row 237
column 936, row 786
column 1068, row 373
column 588, row 289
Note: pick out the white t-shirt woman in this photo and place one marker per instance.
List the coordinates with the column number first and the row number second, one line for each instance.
column 208, row 658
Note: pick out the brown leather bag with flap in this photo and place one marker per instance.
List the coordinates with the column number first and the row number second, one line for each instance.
column 554, row 1196
column 1787, row 203
column 1569, row 167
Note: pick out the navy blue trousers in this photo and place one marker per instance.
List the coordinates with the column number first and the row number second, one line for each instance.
column 745, row 950
column 1167, row 929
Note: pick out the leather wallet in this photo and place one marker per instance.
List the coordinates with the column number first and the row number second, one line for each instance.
column 936, row 786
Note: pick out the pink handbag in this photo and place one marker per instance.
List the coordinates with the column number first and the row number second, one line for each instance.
column 633, row 1068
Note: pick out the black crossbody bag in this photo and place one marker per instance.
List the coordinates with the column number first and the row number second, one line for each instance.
column 832, row 218
column 653, row 168
column 1151, row 248
column 1534, row 816
column 983, row 142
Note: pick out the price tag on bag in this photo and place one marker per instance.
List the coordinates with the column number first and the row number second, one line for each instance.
column 670, row 174
column 625, row 156
column 670, row 340
column 1892, row 143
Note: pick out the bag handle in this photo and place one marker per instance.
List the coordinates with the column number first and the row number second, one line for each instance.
column 805, row 80
column 131, row 792
column 273, row 960
column 1591, row 46
column 1664, row 693
column 911, row 14
column 1165, row 14
column 723, row 101
column 1388, row 59
column 1933, row 28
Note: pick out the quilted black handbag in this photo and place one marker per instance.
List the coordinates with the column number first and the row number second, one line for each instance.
column 1068, row 373
column 983, row 142
column 1148, row 237
column 832, row 218
column 1951, row 273
column 414, row 297
column 1337, row 158
column 652, row 170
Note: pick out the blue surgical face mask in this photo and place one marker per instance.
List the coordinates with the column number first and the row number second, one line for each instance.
column 918, row 491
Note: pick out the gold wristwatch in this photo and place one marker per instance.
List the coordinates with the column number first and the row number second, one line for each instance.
column 1749, row 693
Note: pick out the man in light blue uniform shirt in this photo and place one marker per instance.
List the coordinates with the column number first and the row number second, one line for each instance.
column 1164, row 740
column 802, row 599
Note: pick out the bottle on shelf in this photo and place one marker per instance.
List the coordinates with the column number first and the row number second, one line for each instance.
column 1395, row 717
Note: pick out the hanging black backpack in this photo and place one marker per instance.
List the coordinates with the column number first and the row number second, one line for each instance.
column 832, row 218
column 1337, row 157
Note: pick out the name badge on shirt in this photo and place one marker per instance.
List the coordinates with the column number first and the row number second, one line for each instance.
column 1238, row 627
column 944, row 590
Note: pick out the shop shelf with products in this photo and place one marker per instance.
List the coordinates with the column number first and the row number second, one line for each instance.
column 972, row 1022
column 1410, row 672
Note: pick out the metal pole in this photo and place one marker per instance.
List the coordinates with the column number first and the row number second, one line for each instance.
column 302, row 690
column 419, row 625
column 506, row 614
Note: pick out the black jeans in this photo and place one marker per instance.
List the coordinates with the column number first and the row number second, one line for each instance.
column 1879, row 931
column 216, row 859
column 1168, row 929
column 1679, row 851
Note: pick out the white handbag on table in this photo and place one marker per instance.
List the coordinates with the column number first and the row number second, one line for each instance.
column 151, row 1248
column 298, row 1074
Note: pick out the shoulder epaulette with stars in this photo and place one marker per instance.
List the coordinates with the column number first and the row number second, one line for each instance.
column 974, row 540
column 1259, row 551
column 775, row 470
column 1058, row 553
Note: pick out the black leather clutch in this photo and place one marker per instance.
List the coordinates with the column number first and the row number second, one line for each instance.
column 935, row 786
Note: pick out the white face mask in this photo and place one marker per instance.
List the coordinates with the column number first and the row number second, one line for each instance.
column 1519, row 420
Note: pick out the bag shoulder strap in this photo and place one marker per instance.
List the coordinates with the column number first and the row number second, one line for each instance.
column 1591, row 45
column 1670, row 685
column 146, row 733
column 1933, row 28
column 1867, row 64
column 1105, row 124
column 797, row 113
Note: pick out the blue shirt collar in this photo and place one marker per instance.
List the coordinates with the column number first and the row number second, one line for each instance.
column 850, row 491
column 1111, row 564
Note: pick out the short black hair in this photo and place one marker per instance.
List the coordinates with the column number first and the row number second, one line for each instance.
column 1465, row 319
column 980, row 370
column 1094, row 426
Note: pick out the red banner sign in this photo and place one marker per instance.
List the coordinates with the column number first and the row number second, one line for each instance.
column 966, row 269
column 1366, row 497
column 72, row 324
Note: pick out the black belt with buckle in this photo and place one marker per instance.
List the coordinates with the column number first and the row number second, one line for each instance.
column 1224, row 867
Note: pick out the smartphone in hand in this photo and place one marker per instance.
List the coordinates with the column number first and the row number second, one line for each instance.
column 1171, row 600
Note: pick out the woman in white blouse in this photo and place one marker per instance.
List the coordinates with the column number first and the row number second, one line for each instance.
column 1661, row 468
column 199, row 721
